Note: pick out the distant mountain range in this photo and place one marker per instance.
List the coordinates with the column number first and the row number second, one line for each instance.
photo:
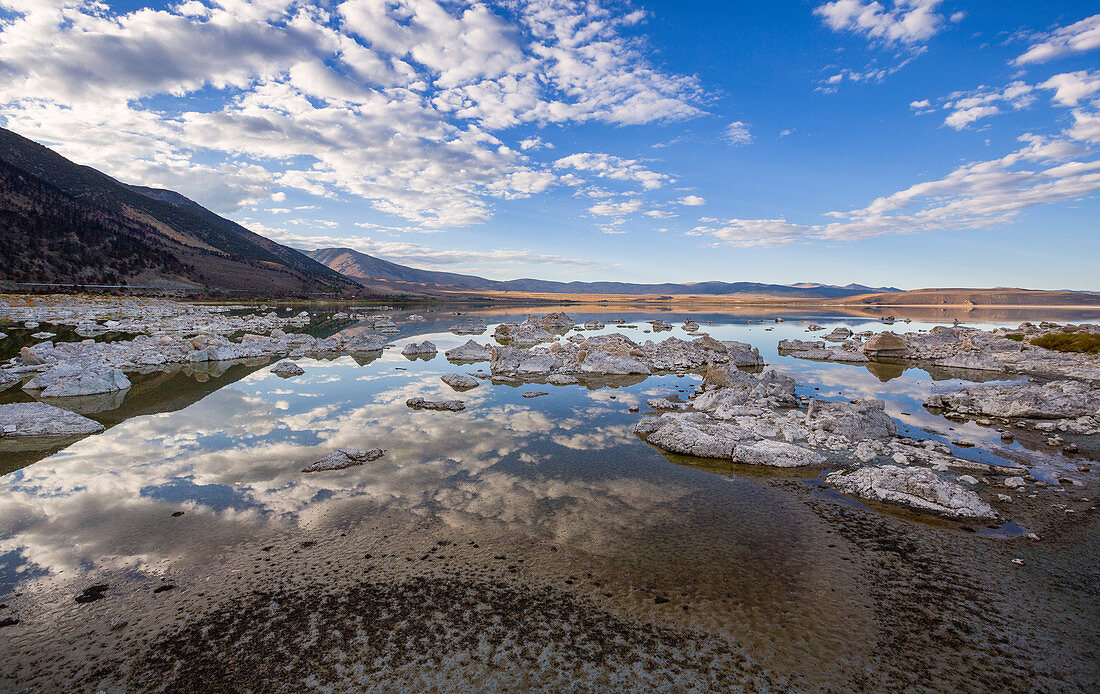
column 382, row 274
column 62, row 223
column 65, row 223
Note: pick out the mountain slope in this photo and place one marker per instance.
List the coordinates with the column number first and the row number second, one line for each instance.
column 370, row 271
column 141, row 235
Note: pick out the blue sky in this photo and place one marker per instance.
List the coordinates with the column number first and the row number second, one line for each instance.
column 909, row 143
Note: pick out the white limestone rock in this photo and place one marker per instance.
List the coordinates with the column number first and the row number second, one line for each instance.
column 286, row 369
column 469, row 352
column 856, row 420
column 67, row 379
column 460, row 381
column 422, row 349
column 1062, row 399
column 916, row 488
column 363, row 343
column 39, row 419
column 776, row 454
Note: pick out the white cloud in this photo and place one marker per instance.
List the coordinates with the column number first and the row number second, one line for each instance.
column 908, row 22
column 1075, row 38
column 395, row 102
column 968, row 107
column 534, row 142
column 616, row 168
column 920, row 105
column 692, row 201
column 979, row 195
column 278, row 196
column 737, row 133
column 1071, row 87
column 616, row 209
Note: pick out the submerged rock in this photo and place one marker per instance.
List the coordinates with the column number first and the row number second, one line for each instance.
column 460, row 381
column 40, row 419
column 422, row 404
column 917, row 488
column 471, row 351
column 286, row 369
column 344, row 458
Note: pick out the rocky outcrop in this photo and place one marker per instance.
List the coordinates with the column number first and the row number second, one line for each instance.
column 449, row 405
column 616, row 354
column 856, row 420
column 344, row 458
column 419, row 349
column 885, row 344
column 364, row 343
column 286, row 369
column 460, row 381
column 1054, row 400
column 470, row 326
column 66, row 380
column 39, row 419
column 521, row 335
column 696, row 434
column 470, row 352
column 912, row 487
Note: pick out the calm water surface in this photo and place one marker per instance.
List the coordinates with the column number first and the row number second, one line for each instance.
column 196, row 463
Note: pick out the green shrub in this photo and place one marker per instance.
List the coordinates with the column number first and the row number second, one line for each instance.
column 1070, row 342
column 1015, row 336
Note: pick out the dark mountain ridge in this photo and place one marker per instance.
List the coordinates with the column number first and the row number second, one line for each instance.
column 63, row 222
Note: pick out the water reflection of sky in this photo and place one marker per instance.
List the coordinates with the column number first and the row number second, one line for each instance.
column 563, row 467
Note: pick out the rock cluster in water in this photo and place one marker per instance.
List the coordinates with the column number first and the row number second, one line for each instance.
column 757, row 419
column 618, row 355
column 1002, row 350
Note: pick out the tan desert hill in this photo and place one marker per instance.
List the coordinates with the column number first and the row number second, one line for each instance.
column 960, row 297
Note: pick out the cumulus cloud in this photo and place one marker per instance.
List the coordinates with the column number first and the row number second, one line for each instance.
column 907, row 22
column 615, row 168
column 737, row 133
column 968, row 107
column 395, row 102
column 1075, row 38
column 1071, row 87
column 534, row 142
column 692, row 201
column 616, row 209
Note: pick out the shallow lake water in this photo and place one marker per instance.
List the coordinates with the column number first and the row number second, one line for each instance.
column 728, row 575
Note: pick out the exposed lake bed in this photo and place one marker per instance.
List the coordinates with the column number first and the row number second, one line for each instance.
column 539, row 542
